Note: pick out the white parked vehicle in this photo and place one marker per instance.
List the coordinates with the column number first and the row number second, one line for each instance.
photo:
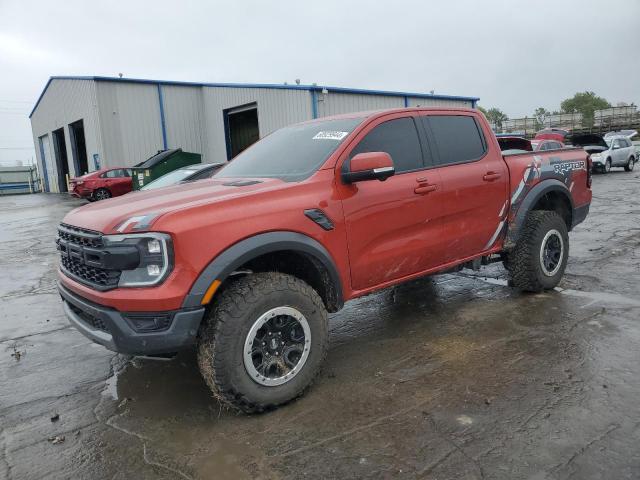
column 612, row 151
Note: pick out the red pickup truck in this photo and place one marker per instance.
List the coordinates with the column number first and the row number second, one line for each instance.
column 247, row 264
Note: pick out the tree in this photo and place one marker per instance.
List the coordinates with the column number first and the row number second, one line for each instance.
column 585, row 103
column 541, row 114
column 483, row 110
column 496, row 117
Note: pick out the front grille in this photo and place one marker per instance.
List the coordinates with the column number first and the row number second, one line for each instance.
column 90, row 275
column 72, row 242
column 87, row 318
column 80, row 236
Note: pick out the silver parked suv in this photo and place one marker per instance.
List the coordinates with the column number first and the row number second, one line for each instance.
column 619, row 152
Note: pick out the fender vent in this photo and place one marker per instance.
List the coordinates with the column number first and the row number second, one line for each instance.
column 320, row 218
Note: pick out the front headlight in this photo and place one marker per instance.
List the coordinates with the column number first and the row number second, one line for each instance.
column 155, row 258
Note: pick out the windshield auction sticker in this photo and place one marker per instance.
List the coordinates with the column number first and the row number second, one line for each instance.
column 330, row 135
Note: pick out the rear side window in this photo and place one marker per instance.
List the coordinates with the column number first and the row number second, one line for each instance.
column 398, row 138
column 457, row 137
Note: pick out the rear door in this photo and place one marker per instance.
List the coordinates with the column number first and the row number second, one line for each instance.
column 392, row 226
column 615, row 152
column 474, row 179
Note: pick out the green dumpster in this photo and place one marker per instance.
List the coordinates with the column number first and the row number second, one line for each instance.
column 160, row 164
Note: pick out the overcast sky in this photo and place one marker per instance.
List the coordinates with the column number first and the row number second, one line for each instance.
column 515, row 55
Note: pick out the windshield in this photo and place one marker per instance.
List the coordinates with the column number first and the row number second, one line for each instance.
column 291, row 153
column 170, row 178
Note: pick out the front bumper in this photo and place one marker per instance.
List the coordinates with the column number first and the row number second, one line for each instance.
column 109, row 328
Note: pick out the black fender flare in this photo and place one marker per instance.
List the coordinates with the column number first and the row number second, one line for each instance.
column 527, row 204
column 238, row 254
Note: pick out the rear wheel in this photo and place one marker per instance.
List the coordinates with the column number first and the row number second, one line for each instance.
column 607, row 166
column 263, row 342
column 630, row 164
column 540, row 256
column 101, row 194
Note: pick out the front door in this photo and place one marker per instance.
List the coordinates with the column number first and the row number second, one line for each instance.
column 475, row 184
column 392, row 227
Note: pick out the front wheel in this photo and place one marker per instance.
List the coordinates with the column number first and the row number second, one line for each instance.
column 101, row 194
column 540, row 256
column 630, row 164
column 263, row 342
column 607, row 166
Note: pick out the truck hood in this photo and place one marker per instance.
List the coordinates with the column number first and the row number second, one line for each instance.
column 106, row 215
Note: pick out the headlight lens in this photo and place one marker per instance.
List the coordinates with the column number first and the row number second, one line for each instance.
column 156, row 258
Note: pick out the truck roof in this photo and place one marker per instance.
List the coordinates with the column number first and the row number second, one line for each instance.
column 386, row 111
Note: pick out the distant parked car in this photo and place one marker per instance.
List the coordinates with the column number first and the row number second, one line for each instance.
column 543, row 144
column 614, row 151
column 185, row 174
column 102, row 184
column 557, row 134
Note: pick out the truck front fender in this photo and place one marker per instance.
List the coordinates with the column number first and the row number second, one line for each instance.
column 547, row 189
column 251, row 248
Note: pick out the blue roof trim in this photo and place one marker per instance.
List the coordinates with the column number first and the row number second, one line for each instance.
column 309, row 88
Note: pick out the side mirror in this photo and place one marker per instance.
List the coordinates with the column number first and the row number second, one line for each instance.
column 615, row 147
column 369, row 166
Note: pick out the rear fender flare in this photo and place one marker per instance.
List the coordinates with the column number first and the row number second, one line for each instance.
column 240, row 253
column 530, row 200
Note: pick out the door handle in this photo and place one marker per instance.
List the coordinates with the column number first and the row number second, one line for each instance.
column 491, row 176
column 424, row 189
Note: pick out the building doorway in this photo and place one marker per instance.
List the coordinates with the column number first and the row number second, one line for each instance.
column 78, row 147
column 62, row 164
column 241, row 128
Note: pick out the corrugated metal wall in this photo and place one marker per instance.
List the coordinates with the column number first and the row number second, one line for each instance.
column 436, row 102
column 65, row 102
column 130, row 121
column 276, row 109
column 336, row 103
column 184, row 117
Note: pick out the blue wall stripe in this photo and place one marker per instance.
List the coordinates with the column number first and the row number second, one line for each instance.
column 162, row 122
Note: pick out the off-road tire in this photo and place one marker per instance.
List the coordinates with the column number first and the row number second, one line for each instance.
column 101, row 194
column 224, row 331
column 630, row 164
column 525, row 266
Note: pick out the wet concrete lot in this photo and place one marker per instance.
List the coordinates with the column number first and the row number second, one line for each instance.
column 455, row 376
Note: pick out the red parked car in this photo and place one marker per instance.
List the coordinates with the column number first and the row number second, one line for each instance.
column 102, row 184
column 247, row 264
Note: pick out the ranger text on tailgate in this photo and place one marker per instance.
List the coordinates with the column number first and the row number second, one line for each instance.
column 246, row 265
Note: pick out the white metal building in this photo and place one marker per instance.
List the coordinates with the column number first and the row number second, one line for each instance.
column 81, row 124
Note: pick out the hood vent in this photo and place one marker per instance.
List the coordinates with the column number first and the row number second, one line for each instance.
column 241, row 183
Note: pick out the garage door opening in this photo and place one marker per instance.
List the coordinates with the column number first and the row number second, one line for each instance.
column 241, row 128
column 78, row 147
column 62, row 164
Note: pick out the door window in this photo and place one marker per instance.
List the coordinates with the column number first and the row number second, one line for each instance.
column 398, row 138
column 457, row 137
column 113, row 174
